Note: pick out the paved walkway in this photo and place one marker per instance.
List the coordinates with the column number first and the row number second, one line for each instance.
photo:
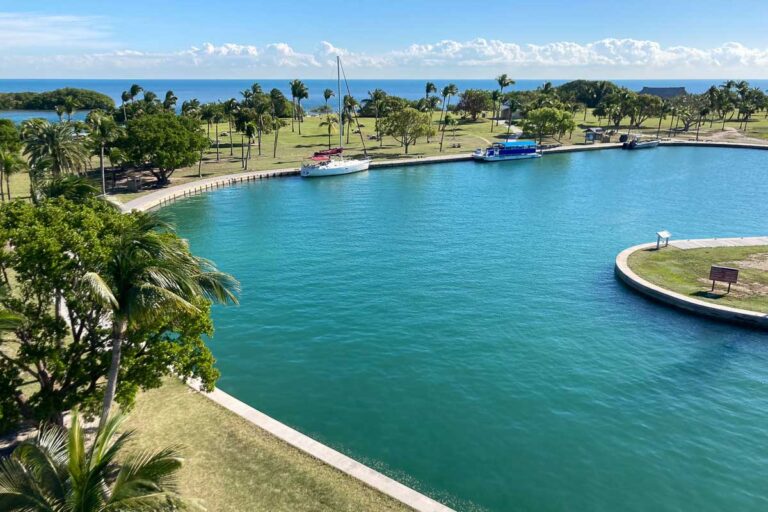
column 720, row 242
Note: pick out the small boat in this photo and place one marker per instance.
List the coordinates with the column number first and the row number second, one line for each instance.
column 638, row 144
column 331, row 162
column 508, row 150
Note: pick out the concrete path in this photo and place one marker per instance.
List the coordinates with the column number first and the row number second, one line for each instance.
column 720, row 242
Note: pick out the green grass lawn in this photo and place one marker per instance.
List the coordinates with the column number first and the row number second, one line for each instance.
column 231, row 464
column 686, row 272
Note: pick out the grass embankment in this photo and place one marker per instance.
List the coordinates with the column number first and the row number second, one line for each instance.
column 687, row 272
column 231, row 464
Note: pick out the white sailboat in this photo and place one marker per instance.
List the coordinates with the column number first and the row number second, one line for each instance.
column 332, row 162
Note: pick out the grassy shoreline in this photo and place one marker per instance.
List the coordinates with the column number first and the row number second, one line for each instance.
column 687, row 271
column 230, row 464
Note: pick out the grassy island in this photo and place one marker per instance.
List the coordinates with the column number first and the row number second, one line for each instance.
column 686, row 272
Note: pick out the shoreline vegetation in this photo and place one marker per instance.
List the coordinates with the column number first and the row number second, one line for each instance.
column 138, row 301
column 261, row 130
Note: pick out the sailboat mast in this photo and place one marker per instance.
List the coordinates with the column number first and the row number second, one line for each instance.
column 338, row 95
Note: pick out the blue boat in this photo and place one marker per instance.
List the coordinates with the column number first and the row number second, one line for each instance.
column 508, row 150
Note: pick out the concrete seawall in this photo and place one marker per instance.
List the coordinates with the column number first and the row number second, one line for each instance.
column 690, row 304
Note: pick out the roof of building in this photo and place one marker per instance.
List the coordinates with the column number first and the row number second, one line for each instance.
column 664, row 92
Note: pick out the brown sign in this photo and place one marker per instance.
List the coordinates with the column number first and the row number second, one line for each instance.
column 724, row 274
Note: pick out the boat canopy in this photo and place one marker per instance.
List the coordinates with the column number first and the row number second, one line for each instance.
column 516, row 144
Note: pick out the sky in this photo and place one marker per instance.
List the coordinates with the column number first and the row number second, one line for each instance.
column 383, row 39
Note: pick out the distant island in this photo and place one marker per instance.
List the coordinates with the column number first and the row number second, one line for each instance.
column 49, row 100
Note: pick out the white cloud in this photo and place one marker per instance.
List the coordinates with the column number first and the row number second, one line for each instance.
column 31, row 31
column 477, row 57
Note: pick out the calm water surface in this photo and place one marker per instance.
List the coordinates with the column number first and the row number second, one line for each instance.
column 459, row 326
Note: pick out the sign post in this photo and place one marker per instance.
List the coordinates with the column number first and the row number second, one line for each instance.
column 724, row 275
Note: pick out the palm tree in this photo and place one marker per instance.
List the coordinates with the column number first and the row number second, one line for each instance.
column 496, row 99
column 663, row 110
column 331, row 122
column 504, row 81
column 376, row 98
column 125, row 97
column 10, row 164
column 327, row 95
column 217, row 116
column 277, row 123
column 70, row 107
column 349, row 106
column 59, row 109
column 429, row 88
column 134, row 91
column 57, row 471
column 229, row 108
column 170, row 100
column 299, row 92
column 151, row 272
column 249, row 131
column 448, row 91
column 54, row 147
column 103, row 132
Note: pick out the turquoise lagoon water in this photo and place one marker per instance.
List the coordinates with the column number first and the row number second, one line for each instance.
column 459, row 327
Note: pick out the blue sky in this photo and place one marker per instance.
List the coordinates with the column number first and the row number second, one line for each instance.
column 385, row 38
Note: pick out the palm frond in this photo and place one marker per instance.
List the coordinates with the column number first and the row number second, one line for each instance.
column 147, row 473
column 99, row 290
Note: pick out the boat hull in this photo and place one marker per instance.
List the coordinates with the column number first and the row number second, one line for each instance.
column 335, row 168
column 495, row 158
column 640, row 145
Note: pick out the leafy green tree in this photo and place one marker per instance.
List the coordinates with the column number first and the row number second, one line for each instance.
column 474, row 102
column 60, row 249
column 53, row 148
column 548, row 121
column 10, row 138
column 406, row 126
column 58, row 471
column 162, row 143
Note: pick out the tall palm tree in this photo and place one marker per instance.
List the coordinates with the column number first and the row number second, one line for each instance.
column 103, row 132
column 449, row 91
column 504, row 81
column 217, row 116
column 53, row 147
column 349, row 105
column 59, row 109
column 229, row 109
column 58, row 471
column 331, row 122
column 327, row 95
column 277, row 123
column 299, row 92
column 429, row 88
column 376, row 98
column 496, row 100
column 170, row 100
column 125, row 97
column 151, row 272
column 249, row 131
